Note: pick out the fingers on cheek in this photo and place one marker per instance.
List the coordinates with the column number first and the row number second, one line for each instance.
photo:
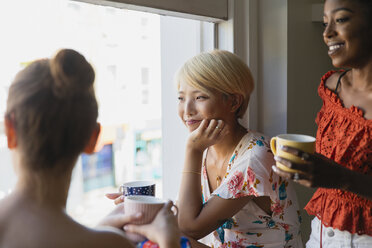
column 221, row 124
column 225, row 131
column 219, row 127
column 213, row 124
column 212, row 127
column 203, row 125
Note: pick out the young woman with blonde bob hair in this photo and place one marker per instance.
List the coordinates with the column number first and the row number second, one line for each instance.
column 229, row 193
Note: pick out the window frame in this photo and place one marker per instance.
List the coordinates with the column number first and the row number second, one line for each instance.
column 193, row 9
column 234, row 31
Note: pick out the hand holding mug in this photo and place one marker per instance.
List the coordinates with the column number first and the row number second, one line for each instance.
column 154, row 231
column 149, row 206
column 292, row 152
column 304, row 146
column 296, row 159
column 318, row 171
column 117, row 219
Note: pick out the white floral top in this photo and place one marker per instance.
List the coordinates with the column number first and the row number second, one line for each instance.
column 249, row 173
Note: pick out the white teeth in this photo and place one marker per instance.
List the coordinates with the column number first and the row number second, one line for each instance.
column 334, row 47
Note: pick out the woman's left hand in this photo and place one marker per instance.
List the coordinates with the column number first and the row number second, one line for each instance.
column 163, row 230
column 207, row 134
column 117, row 218
column 317, row 171
column 117, row 197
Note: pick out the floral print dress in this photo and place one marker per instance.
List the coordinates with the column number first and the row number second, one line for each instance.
column 249, row 173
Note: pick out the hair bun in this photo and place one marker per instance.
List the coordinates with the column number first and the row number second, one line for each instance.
column 71, row 73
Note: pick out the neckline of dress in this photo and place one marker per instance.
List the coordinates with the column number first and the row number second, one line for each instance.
column 354, row 110
column 228, row 167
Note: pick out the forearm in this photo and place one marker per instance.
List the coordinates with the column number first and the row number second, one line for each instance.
column 357, row 183
column 190, row 197
column 170, row 244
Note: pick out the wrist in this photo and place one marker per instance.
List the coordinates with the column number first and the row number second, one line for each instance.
column 345, row 178
column 194, row 151
column 193, row 144
column 174, row 243
column 193, row 160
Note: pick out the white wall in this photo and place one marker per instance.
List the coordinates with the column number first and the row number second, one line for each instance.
column 291, row 60
column 272, row 66
column 307, row 62
column 176, row 48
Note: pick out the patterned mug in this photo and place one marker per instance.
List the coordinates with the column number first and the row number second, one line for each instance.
column 138, row 188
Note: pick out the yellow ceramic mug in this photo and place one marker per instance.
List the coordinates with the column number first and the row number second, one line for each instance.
column 302, row 142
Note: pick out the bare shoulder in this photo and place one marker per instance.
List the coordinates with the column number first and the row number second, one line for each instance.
column 331, row 82
column 78, row 235
column 24, row 225
column 42, row 230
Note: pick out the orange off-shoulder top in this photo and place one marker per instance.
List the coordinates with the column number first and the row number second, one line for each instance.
column 344, row 136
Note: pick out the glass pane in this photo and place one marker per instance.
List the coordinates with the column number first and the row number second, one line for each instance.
column 124, row 48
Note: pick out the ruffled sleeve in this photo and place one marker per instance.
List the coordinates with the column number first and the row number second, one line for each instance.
column 249, row 171
column 321, row 92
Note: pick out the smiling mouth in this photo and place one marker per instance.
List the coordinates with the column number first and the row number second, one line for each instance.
column 332, row 49
column 191, row 122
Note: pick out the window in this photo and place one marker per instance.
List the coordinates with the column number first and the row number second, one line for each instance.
column 145, row 75
column 134, row 87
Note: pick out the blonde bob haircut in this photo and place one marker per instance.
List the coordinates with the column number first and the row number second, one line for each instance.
column 221, row 71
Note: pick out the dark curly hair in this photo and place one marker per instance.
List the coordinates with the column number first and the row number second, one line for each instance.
column 366, row 6
column 367, row 9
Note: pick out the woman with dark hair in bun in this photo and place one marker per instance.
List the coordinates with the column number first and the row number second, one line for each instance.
column 51, row 118
column 341, row 168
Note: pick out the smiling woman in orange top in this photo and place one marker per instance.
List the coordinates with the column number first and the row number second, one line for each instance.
column 342, row 166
